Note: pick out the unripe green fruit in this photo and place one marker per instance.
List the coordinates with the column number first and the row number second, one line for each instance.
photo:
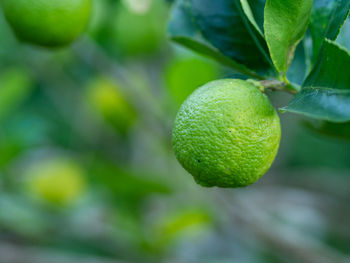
column 47, row 22
column 140, row 29
column 226, row 134
column 184, row 74
column 106, row 97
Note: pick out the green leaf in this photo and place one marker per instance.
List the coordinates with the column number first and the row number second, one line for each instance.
column 285, row 24
column 326, row 20
column 124, row 182
column 344, row 36
column 224, row 24
column 298, row 68
column 181, row 29
column 15, row 86
column 254, row 10
column 332, row 68
column 326, row 92
column 337, row 130
column 320, row 103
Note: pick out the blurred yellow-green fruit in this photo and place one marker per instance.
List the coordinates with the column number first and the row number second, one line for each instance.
column 57, row 181
column 47, row 22
column 138, row 28
column 185, row 74
column 226, row 134
column 107, row 99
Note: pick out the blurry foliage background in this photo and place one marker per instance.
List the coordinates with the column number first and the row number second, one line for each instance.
column 87, row 172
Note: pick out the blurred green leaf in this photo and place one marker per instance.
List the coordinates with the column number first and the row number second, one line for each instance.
column 176, row 225
column 123, row 182
column 21, row 216
column 285, row 24
column 20, row 133
column 11, row 148
column 327, row 18
column 15, row 85
column 320, row 153
column 185, row 74
column 338, row 240
column 326, row 92
column 337, row 130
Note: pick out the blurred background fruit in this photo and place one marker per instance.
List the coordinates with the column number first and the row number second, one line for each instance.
column 107, row 99
column 137, row 26
column 57, row 181
column 186, row 72
column 47, row 23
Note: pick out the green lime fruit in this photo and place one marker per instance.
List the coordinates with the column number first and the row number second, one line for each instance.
column 47, row 22
column 139, row 26
column 57, row 181
column 226, row 134
column 184, row 74
column 106, row 98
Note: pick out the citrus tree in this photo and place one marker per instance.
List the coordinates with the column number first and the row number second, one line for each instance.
column 85, row 152
column 223, row 134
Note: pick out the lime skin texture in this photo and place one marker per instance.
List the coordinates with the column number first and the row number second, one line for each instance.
column 226, row 134
column 50, row 23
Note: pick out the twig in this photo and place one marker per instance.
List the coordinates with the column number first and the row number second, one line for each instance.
column 280, row 86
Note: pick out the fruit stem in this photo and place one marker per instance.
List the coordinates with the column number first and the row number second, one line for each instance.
column 280, row 86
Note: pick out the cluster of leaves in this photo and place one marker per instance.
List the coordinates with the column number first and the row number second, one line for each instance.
column 287, row 40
